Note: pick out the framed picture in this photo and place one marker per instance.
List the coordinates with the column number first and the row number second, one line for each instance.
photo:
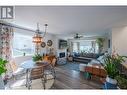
column 49, row 43
column 43, row 44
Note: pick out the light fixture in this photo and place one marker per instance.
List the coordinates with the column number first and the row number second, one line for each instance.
column 37, row 38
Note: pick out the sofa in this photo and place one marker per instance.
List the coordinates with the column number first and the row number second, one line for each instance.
column 99, row 61
column 85, row 57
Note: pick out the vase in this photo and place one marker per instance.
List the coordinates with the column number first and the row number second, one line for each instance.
column 110, row 83
column 1, row 83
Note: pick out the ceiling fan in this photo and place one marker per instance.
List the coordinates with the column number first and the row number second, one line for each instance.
column 77, row 36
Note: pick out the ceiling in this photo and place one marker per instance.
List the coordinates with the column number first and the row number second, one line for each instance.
column 68, row 20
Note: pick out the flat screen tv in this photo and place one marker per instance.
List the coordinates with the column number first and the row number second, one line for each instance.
column 62, row 44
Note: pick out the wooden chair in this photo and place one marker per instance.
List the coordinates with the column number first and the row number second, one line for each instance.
column 46, row 59
column 53, row 67
column 54, row 62
column 36, row 73
column 51, row 57
column 50, row 69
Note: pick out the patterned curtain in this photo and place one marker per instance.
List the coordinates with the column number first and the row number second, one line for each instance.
column 6, row 36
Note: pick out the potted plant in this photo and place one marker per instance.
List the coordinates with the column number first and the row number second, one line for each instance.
column 122, row 81
column 100, row 42
column 111, row 63
column 2, row 70
column 37, row 57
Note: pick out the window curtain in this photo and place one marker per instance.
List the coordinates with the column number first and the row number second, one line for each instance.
column 6, row 36
column 93, row 46
column 75, row 47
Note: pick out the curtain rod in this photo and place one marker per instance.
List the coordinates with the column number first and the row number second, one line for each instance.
column 16, row 26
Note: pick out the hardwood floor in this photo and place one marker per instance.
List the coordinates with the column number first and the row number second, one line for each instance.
column 72, row 79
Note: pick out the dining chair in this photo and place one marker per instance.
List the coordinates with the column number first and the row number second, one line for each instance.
column 53, row 66
column 53, row 63
column 36, row 73
column 50, row 70
column 17, row 71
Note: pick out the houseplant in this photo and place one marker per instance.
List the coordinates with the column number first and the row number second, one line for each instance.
column 111, row 63
column 122, row 81
column 37, row 57
column 2, row 70
column 100, row 42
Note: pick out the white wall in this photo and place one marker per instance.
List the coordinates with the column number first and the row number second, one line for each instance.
column 109, row 37
column 45, row 39
column 56, row 45
column 119, row 38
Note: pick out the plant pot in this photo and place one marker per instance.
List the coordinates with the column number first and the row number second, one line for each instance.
column 110, row 83
column 110, row 80
column 1, row 83
column 38, row 62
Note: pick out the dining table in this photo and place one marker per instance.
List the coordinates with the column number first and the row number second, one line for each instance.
column 30, row 64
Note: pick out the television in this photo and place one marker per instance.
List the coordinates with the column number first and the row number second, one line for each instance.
column 62, row 44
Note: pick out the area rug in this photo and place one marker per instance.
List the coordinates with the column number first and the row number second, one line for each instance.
column 71, row 66
column 35, row 85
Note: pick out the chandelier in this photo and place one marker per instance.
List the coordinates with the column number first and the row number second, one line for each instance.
column 37, row 38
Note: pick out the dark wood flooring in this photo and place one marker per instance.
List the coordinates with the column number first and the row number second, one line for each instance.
column 72, row 79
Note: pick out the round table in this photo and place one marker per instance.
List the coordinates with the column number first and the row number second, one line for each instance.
column 29, row 64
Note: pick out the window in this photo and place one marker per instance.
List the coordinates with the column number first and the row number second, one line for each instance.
column 88, row 46
column 22, row 45
column 75, row 47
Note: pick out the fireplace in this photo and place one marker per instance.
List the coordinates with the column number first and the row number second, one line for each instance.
column 62, row 58
column 62, row 54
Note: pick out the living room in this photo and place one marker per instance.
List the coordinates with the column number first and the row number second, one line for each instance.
column 71, row 38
